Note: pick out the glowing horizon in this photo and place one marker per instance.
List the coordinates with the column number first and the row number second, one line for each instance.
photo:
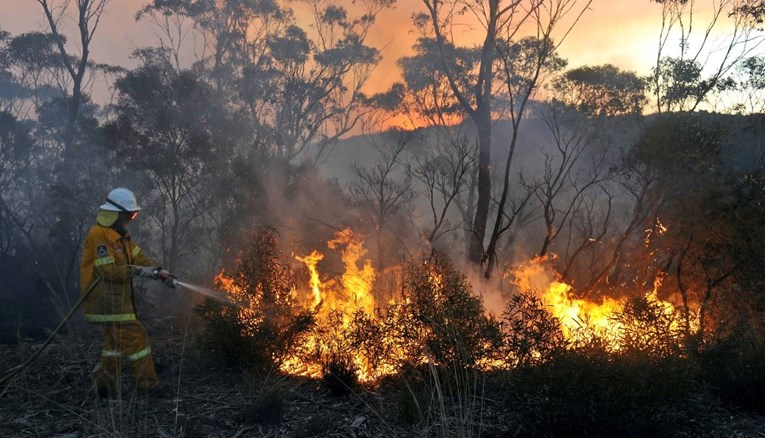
column 624, row 33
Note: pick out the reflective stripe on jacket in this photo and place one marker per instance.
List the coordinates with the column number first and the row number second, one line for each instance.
column 105, row 259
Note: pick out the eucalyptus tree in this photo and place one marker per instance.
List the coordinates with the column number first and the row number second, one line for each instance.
column 299, row 86
column 383, row 190
column 446, row 161
column 576, row 191
column 170, row 127
column 507, row 61
column 30, row 69
column 749, row 77
column 16, row 148
column 87, row 15
column 711, row 45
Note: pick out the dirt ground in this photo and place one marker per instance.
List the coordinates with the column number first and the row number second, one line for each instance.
column 54, row 398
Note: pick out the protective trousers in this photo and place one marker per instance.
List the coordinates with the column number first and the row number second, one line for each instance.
column 129, row 341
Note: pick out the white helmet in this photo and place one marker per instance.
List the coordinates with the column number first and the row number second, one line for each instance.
column 121, row 200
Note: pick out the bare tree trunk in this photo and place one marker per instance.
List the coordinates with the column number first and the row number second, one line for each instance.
column 480, row 114
column 478, row 228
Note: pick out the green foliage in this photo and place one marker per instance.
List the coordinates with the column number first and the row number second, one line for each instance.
column 291, row 87
column 601, row 90
column 291, row 47
column 677, row 81
column 34, row 51
column 164, row 117
column 683, row 145
column 222, row 339
column 751, row 11
column 16, row 146
column 422, row 70
column 524, row 60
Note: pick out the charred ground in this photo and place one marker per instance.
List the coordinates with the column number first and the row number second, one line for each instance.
column 582, row 394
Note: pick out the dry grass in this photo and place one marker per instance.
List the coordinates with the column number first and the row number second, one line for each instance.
column 54, row 398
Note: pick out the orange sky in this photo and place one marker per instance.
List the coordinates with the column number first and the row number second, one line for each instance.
column 621, row 32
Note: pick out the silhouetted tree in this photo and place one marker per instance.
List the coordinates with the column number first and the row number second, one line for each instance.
column 502, row 24
column 383, row 190
column 678, row 82
column 169, row 126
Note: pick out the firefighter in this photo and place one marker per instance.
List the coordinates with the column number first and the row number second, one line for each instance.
column 110, row 260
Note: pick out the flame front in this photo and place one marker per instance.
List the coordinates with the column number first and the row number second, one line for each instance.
column 583, row 320
column 339, row 303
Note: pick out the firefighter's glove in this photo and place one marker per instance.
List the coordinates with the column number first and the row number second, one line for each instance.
column 166, row 277
column 146, row 271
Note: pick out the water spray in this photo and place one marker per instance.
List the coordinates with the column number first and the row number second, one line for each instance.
column 210, row 293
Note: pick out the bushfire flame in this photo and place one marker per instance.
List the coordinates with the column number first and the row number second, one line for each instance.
column 582, row 319
column 337, row 301
column 311, row 260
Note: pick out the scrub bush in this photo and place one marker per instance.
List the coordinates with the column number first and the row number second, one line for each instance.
column 530, row 333
column 339, row 376
column 605, row 394
column 259, row 330
column 448, row 322
column 734, row 374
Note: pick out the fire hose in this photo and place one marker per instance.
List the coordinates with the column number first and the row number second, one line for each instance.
column 9, row 374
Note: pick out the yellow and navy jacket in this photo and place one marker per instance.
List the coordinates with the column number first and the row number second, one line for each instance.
column 106, row 257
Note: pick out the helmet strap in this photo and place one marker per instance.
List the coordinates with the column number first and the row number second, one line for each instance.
column 117, row 205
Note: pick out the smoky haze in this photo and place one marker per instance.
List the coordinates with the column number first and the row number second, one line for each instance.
column 413, row 218
column 261, row 119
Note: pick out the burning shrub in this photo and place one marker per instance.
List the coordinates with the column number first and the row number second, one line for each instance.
column 222, row 339
column 436, row 319
column 448, row 324
column 530, row 333
column 259, row 331
column 734, row 371
column 650, row 327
